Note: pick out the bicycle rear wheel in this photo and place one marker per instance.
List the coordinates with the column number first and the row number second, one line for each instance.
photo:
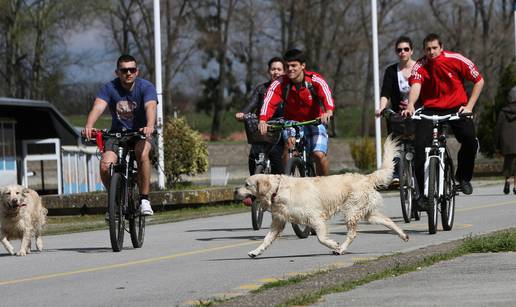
column 117, row 199
column 136, row 220
column 448, row 199
column 296, row 168
column 433, row 197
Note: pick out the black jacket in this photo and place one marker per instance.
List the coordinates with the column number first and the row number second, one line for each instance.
column 505, row 132
column 256, row 101
column 391, row 89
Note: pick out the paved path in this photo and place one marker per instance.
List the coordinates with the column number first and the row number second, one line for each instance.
column 181, row 263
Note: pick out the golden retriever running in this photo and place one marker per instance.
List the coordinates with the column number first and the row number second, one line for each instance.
column 22, row 216
column 313, row 200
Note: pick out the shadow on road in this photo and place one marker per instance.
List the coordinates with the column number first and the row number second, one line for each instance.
column 84, row 250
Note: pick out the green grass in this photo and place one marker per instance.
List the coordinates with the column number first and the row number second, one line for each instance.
column 348, row 122
column 70, row 224
column 104, row 122
column 502, row 241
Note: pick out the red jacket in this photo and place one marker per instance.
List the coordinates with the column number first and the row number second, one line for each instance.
column 442, row 79
column 300, row 105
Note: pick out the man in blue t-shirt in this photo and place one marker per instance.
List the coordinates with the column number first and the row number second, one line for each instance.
column 132, row 102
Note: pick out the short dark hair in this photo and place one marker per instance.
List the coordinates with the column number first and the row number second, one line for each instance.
column 276, row 59
column 294, row 55
column 432, row 37
column 403, row 39
column 125, row 58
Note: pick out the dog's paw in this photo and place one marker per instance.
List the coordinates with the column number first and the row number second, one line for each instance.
column 21, row 253
column 253, row 254
column 11, row 251
column 406, row 238
column 337, row 253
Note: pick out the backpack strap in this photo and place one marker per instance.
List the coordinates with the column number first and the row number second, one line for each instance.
column 309, row 86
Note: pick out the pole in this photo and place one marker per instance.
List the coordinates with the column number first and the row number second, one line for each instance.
column 514, row 11
column 159, row 89
column 377, row 123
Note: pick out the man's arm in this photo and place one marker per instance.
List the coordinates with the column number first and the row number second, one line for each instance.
column 415, row 90
column 324, row 94
column 150, row 113
column 99, row 105
column 475, row 93
column 270, row 104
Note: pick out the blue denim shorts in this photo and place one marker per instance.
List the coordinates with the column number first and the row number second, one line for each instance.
column 316, row 137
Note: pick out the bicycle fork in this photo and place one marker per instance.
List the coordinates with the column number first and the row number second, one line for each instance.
column 440, row 158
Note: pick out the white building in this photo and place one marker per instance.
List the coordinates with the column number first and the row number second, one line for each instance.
column 41, row 150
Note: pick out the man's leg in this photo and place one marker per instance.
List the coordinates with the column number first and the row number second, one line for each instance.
column 422, row 139
column 142, row 150
column 464, row 131
column 108, row 157
column 317, row 138
column 322, row 164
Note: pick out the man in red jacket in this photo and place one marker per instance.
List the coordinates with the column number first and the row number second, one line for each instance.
column 308, row 97
column 438, row 79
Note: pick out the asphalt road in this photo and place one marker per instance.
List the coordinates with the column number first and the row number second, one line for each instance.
column 181, row 263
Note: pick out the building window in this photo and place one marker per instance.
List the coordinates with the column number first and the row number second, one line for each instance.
column 7, row 147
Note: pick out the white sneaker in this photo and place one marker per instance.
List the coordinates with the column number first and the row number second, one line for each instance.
column 145, row 207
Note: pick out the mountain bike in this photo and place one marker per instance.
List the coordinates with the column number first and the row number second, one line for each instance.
column 123, row 200
column 300, row 163
column 440, row 188
column 404, row 129
column 262, row 163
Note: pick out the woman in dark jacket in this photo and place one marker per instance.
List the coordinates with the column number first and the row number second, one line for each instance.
column 505, row 134
column 395, row 86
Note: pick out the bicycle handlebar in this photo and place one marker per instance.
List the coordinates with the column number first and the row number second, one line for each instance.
column 441, row 118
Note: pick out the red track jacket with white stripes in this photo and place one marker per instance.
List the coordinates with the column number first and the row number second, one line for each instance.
column 300, row 105
column 442, row 79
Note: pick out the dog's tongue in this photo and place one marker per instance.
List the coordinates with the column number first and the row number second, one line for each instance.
column 248, row 201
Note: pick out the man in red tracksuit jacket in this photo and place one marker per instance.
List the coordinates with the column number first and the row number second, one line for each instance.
column 438, row 79
column 308, row 97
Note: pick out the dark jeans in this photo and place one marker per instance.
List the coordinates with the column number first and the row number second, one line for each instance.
column 274, row 156
column 464, row 131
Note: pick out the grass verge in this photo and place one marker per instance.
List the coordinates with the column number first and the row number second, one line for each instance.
column 501, row 241
column 68, row 224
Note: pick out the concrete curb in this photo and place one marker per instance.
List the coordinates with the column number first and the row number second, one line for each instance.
column 86, row 202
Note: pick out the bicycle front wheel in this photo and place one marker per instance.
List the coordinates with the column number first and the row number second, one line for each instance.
column 136, row 220
column 448, row 199
column 405, row 189
column 433, row 194
column 117, row 199
column 296, row 168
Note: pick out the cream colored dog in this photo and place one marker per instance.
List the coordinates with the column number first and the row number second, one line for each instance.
column 22, row 216
column 313, row 200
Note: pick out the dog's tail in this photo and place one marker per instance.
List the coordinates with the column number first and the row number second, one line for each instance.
column 383, row 176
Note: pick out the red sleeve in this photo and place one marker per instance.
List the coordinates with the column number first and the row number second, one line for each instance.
column 324, row 92
column 272, row 99
column 417, row 73
column 468, row 69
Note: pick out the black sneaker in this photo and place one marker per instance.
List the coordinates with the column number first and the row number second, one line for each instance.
column 506, row 187
column 466, row 188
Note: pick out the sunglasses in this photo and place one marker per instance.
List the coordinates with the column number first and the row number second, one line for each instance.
column 132, row 70
column 406, row 49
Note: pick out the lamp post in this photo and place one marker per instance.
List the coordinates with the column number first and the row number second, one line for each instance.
column 159, row 90
column 377, row 122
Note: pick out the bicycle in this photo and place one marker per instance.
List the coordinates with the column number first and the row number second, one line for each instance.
column 404, row 129
column 123, row 200
column 299, row 163
column 262, row 164
column 440, row 188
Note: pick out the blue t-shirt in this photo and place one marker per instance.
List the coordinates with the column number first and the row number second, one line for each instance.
column 128, row 107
